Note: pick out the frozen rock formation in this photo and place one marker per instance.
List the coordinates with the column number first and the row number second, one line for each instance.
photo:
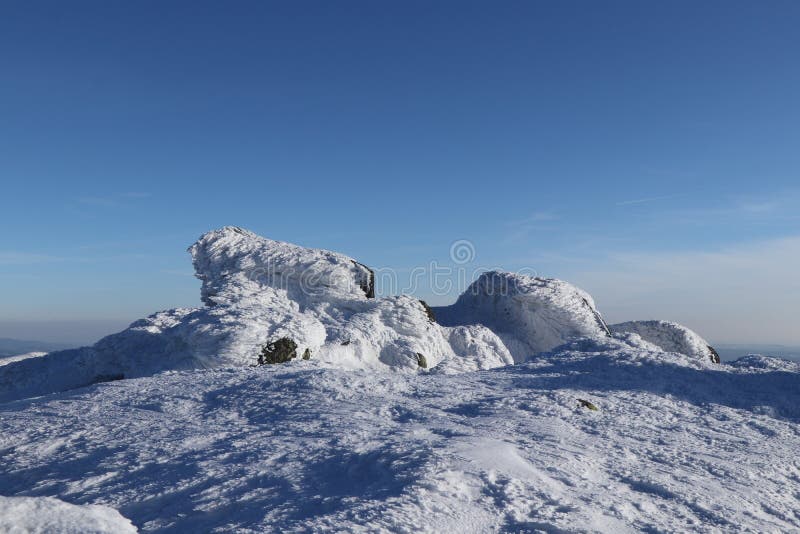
column 234, row 263
column 530, row 314
column 670, row 337
column 267, row 302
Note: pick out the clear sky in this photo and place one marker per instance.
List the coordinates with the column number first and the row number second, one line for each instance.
column 646, row 151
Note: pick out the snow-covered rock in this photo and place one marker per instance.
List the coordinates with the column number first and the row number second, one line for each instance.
column 477, row 347
column 258, row 291
column 234, row 263
column 48, row 515
column 530, row 314
column 670, row 337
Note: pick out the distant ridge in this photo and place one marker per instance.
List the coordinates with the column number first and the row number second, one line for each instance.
column 12, row 347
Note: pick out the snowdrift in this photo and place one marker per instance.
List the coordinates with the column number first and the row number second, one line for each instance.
column 270, row 301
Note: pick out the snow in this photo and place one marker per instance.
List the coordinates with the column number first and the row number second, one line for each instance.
column 19, row 357
column 678, row 444
column 670, row 337
column 170, row 423
column 45, row 515
column 531, row 314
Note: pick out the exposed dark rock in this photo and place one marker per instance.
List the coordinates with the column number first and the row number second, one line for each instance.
column 345, row 342
column 714, row 354
column 599, row 318
column 307, row 354
column 367, row 284
column 587, row 404
column 421, row 361
column 428, row 311
column 279, row 351
column 108, row 378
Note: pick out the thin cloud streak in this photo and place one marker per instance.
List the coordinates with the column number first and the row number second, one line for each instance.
column 646, row 200
column 743, row 293
column 26, row 258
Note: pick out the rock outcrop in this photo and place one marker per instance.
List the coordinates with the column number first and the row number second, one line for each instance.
column 530, row 314
column 271, row 302
column 670, row 337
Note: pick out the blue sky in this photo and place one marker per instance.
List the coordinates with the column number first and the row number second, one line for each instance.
column 645, row 151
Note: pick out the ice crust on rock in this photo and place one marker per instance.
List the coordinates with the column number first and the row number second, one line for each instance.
column 530, row 314
column 234, row 263
column 670, row 337
column 258, row 291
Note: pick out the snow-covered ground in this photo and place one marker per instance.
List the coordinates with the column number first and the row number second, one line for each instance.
column 520, row 410
column 33, row 515
column 675, row 446
column 19, row 357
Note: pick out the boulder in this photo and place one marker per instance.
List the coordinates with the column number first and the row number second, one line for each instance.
column 233, row 263
column 278, row 351
column 670, row 337
column 428, row 311
column 530, row 314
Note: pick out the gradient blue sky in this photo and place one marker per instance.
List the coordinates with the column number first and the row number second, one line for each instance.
column 647, row 151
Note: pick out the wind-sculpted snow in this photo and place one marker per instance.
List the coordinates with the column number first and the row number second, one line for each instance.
column 670, row 337
column 677, row 445
column 258, row 291
column 234, row 263
column 530, row 314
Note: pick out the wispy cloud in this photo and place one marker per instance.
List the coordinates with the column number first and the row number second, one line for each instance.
column 519, row 229
column 111, row 201
column 25, row 258
column 741, row 293
column 98, row 201
column 646, row 200
column 29, row 258
column 536, row 217
column 760, row 207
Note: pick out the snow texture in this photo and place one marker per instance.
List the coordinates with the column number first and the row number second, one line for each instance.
column 670, row 337
column 48, row 515
column 678, row 445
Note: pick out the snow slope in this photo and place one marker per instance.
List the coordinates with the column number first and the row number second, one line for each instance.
column 678, row 444
column 19, row 357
